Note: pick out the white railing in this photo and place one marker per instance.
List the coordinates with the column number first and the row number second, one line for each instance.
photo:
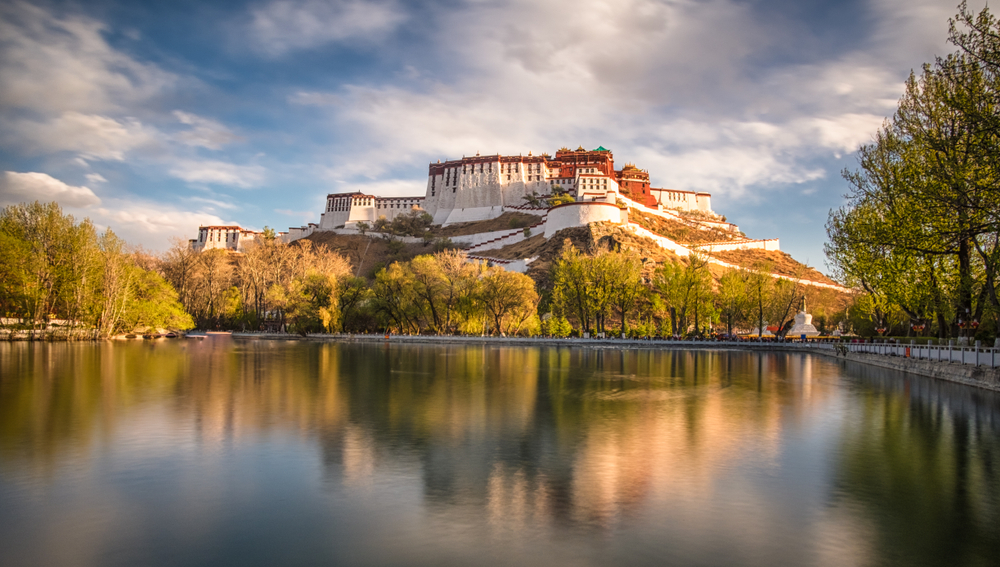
column 978, row 356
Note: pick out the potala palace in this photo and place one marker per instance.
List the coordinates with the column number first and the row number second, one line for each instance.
column 480, row 188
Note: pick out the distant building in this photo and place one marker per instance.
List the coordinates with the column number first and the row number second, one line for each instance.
column 233, row 238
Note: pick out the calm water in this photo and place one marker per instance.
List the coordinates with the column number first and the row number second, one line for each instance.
column 223, row 452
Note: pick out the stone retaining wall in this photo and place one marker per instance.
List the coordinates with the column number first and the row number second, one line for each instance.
column 968, row 374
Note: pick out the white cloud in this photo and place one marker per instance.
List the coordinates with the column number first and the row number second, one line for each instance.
column 29, row 187
column 52, row 64
column 149, row 223
column 213, row 203
column 218, row 173
column 287, row 25
column 635, row 76
column 91, row 136
column 204, row 132
column 95, row 178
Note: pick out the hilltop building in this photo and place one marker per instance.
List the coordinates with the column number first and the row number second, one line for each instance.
column 480, row 188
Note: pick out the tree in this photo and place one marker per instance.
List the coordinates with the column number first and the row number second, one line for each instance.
column 920, row 230
column 686, row 291
column 627, row 287
column 760, row 291
column 37, row 246
column 429, row 286
column 394, row 297
column 733, row 298
column 509, row 298
column 571, row 286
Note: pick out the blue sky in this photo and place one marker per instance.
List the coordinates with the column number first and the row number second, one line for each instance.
column 155, row 117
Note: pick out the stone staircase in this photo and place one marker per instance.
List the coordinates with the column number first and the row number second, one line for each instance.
column 513, row 237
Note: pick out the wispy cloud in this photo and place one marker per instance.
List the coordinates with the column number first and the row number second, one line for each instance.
column 54, row 63
column 635, row 76
column 204, row 132
column 213, row 172
column 90, row 136
column 288, row 25
column 18, row 187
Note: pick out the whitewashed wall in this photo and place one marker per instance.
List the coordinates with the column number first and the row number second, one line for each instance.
column 770, row 244
column 580, row 214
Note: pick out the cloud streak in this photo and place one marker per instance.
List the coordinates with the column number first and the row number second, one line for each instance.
column 283, row 26
column 33, row 186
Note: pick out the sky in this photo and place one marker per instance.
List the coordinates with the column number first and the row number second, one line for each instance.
column 153, row 118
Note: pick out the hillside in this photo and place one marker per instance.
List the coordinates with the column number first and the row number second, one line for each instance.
column 367, row 254
column 371, row 252
column 682, row 232
column 781, row 263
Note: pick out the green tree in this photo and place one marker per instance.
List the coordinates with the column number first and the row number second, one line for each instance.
column 733, row 299
column 922, row 208
column 627, row 287
column 686, row 291
column 394, row 297
column 571, row 286
column 509, row 298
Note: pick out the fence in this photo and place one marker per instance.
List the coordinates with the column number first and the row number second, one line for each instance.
column 961, row 354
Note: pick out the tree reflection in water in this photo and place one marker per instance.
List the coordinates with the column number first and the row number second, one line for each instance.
column 378, row 453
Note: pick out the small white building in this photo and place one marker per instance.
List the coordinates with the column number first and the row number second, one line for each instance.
column 346, row 210
column 232, row 238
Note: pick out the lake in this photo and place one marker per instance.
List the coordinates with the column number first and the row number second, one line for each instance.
column 251, row 452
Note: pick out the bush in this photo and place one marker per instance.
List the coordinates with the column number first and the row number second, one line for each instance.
column 561, row 200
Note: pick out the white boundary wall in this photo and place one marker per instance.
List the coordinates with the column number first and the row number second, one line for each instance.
column 770, row 244
column 581, row 214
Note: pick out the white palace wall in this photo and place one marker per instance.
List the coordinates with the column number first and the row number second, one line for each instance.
column 482, row 190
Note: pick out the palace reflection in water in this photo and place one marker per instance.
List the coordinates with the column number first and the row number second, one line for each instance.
column 256, row 452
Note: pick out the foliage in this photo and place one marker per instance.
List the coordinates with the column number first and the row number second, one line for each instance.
column 920, row 230
column 561, row 199
column 686, row 291
column 271, row 285
column 55, row 267
column 414, row 223
column 509, row 298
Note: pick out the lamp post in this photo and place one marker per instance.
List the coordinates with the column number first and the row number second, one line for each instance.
column 967, row 322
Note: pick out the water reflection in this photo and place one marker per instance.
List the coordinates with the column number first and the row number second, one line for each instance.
column 383, row 454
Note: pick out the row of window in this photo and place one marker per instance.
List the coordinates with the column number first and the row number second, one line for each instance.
column 341, row 205
column 213, row 236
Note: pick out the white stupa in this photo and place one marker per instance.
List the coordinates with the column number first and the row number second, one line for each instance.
column 803, row 324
